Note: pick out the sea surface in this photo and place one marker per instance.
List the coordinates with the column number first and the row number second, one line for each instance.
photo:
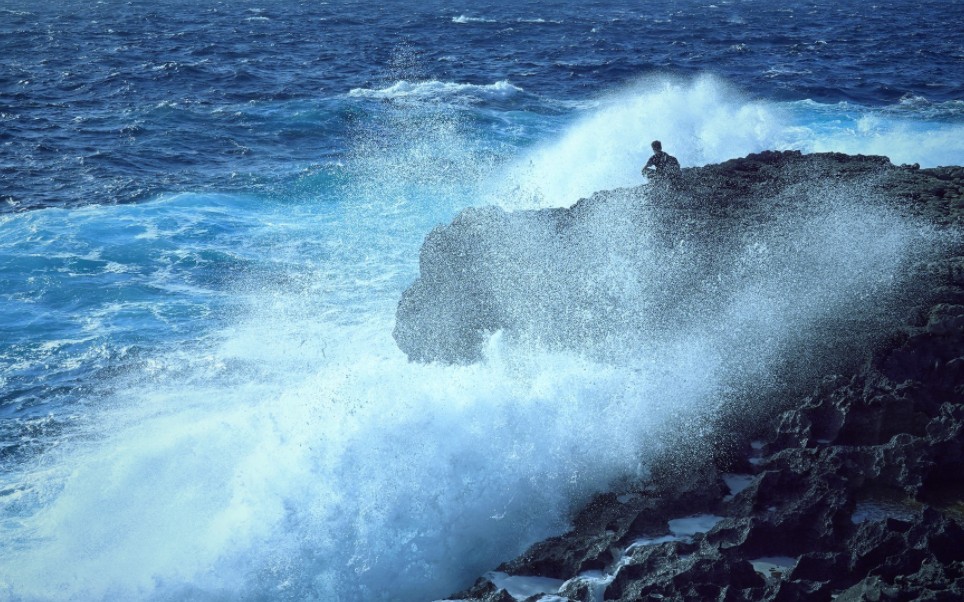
column 209, row 210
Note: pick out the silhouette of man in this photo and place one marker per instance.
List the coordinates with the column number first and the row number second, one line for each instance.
column 661, row 165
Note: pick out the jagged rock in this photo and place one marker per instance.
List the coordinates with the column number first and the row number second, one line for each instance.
column 858, row 484
column 609, row 522
column 484, row 591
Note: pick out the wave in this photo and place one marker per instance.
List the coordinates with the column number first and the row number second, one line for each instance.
column 914, row 130
column 700, row 121
column 920, row 107
column 464, row 19
column 434, row 89
column 705, row 120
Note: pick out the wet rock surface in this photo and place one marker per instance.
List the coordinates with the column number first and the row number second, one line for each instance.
column 557, row 276
column 853, row 491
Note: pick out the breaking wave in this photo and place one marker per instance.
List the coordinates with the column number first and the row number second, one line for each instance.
column 439, row 90
column 464, row 19
column 700, row 121
column 705, row 120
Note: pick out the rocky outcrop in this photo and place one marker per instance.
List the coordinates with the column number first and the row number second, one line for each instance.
column 607, row 272
column 857, row 494
column 853, row 490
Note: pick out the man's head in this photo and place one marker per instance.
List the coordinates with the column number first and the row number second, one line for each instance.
column 657, row 145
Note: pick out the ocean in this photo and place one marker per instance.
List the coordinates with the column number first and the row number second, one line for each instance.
column 209, row 211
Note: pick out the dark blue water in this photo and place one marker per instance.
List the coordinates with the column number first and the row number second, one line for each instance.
column 119, row 101
column 208, row 211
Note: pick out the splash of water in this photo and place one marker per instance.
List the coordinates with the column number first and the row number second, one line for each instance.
column 705, row 120
column 700, row 121
column 296, row 453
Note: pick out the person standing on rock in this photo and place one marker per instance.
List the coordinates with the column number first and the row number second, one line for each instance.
column 661, row 166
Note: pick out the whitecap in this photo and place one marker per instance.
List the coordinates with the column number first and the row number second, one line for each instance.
column 116, row 268
column 434, row 89
column 920, row 106
column 605, row 148
column 464, row 19
column 913, row 130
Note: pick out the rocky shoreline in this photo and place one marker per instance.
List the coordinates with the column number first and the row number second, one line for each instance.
column 850, row 488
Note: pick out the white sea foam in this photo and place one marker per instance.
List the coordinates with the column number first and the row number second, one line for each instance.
column 435, row 89
column 462, row 19
column 700, row 121
column 387, row 475
column 704, row 120
column 911, row 131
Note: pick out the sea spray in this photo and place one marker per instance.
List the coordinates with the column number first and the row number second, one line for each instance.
column 293, row 452
column 632, row 270
column 699, row 120
column 706, row 120
column 382, row 478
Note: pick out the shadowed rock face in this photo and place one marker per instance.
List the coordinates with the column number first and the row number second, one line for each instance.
column 850, row 491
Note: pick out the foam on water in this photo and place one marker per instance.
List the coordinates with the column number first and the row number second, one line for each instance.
column 681, row 529
column 463, row 19
column 363, row 477
column 291, row 451
column 427, row 90
column 909, row 132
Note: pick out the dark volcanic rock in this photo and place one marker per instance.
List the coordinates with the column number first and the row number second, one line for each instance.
column 856, row 491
